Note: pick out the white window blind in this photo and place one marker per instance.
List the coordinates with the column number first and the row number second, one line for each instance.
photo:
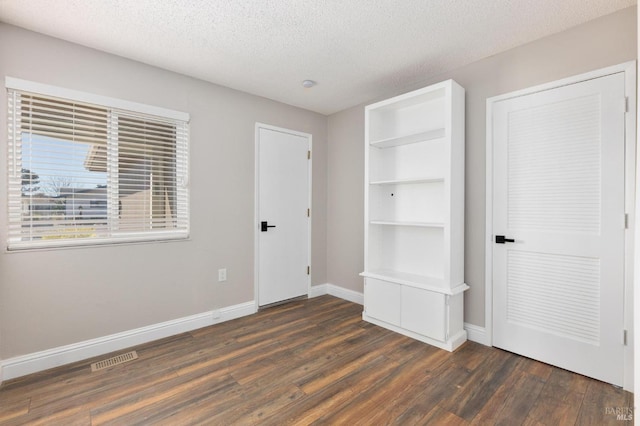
column 82, row 173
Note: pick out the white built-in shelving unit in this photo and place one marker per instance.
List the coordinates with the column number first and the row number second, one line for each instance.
column 414, row 214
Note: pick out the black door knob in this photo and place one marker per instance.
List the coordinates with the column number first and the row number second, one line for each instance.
column 264, row 226
column 500, row 239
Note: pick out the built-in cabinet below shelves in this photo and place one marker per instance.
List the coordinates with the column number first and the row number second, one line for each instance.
column 414, row 214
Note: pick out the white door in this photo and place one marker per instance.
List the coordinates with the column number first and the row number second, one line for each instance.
column 558, row 187
column 283, row 216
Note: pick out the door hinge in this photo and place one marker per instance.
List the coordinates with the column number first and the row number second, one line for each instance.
column 626, row 104
column 626, row 221
column 308, row 212
column 308, row 155
column 624, row 337
column 308, row 270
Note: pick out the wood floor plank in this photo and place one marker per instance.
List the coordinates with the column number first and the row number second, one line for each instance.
column 346, row 360
column 568, row 381
column 432, row 380
column 326, row 379
column 264, row 404
column 309, row 362
column 481, row 385
column 286, row 349
column 225, row 357
column 410, row 349
column 438, row 416
column 12, row 409
column 536, row 368
column 512, row 401
column 471, row 356
column 560, row 400
column 169, row 405
column 275, row 330
column 71, row 416
column 375, row 405
column 253, row 402
column 43, row 381
column 324, row 343
column 90, row 398
column 423, row 394
column 297, row 370
column 91, row 388
column 332, row 398
column 602, row 404
column 119, row 410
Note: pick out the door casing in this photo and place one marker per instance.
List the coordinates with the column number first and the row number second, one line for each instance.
column 256, row 221
column 629, row 70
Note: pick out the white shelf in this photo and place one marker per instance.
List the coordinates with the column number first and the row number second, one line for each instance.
column 437, row 285
column 401, row 223
column 408, row 139
column 414, row 214
column 426, row 95
column 407, row 181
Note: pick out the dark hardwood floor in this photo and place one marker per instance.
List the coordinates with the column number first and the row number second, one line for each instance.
column 311, row 361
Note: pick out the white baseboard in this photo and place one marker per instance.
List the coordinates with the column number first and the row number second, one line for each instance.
column 477, row 334
column 39, row 361
column 346, row 294
column 318, row 290
column 237, row 311
column 334, row 290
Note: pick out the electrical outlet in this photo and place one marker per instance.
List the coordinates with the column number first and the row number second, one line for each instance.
column 222, row 274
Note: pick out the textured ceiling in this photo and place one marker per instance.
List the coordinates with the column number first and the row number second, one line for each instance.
column 356, row 50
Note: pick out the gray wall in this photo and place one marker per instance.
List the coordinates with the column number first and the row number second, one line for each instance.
column 606, row 41
column 58, row 297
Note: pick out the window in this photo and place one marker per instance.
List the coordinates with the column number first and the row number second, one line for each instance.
column 90, row 170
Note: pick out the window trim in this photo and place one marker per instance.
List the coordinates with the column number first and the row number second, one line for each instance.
column 114, row 104
column 105, row 101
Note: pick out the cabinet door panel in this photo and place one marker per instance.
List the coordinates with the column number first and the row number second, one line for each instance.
column 424, row 312
column 382, row 300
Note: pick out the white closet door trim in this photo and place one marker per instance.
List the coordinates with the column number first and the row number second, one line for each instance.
column 629, row 70
column 256, row 211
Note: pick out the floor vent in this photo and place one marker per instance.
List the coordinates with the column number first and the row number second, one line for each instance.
column 110, row 362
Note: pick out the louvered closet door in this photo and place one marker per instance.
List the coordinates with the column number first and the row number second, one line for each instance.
column 559, row 193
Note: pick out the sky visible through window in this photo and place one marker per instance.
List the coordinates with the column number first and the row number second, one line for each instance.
column 59, row 164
